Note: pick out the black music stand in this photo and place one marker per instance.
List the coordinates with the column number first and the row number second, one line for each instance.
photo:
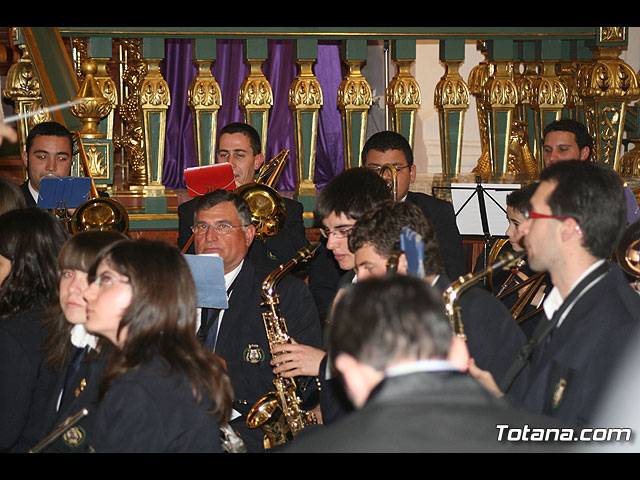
column 489, row 209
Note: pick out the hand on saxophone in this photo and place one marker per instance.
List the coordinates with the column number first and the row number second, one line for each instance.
column 293, row 359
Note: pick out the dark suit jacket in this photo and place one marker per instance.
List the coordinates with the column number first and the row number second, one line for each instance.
column 443, row 217
column 270, row 252
column 21, row 355
column 566, row 378
column 420, row 412
column 493, row 337
column 148, row 409
column 46, row 417
column 242, row 340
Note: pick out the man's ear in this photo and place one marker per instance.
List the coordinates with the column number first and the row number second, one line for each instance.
column 359, row 378
column 402, row 264
column 249, row 234
column 258, row 161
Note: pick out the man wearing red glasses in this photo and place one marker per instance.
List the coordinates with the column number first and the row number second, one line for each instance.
column 575, row 220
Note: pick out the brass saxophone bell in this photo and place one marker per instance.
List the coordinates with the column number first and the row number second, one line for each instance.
column 268, row 210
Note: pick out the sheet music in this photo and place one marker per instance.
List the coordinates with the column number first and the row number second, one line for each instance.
column 466, row 206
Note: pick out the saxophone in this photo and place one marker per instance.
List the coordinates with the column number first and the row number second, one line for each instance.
column 458, row 287
column 279, row 412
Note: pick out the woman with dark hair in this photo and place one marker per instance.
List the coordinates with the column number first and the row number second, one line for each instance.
column 162, row 391
column 11, row 197
column 30, row 240
column 73, row 363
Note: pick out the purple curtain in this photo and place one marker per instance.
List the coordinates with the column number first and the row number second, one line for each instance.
column 230, row 69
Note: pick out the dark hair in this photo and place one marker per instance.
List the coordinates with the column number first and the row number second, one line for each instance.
column 211, row 199
column 579, row 130
column 593, row 196
column 31, row 238
column 385, row 141
column 382, row 226
column 48, row 129
column 351, row 192
column 78, row 253
column 519, row 199
column 248, row 131
column 11, row 197
column 161, row 319
column 380, row 320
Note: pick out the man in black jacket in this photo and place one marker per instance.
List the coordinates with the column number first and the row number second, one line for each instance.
column 389, row 147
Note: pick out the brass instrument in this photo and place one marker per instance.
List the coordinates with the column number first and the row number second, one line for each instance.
column 393, row 183
column 458, row 287
column 532, row 285
column 279, row 412
column 61, row 430
column 97, row 213
column 268, row 210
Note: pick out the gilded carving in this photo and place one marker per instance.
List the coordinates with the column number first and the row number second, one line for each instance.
column 204, row 93
column 97, row 162
column 607, row 75
column 94, row 106
column 154, row 91
column 613, row 34
column 609, row 133
column 451, row 91
column 354, row 92
column 403, row 90
column 255, row 91
column 305, row 92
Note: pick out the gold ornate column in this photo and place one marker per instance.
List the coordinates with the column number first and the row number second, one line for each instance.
column 305, row 100
column 154, row 101
column 204, row 98
column 23, row 88
column 502, row 97
column 607, row 84
column 451, row 99
column 478, row 78
column 548, row 99
column 403, row 99
column 92, row 107
column 354, row 101
column 256, row 99
column 525, row 81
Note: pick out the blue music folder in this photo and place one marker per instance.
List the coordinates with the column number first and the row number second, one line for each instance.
column 63, row 192
column 413, row 247
column 208, row 274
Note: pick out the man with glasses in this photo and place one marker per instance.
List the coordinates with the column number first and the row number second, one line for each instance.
column 237, row 334
column 388, row 147
column 239, row 144
column 575, row 221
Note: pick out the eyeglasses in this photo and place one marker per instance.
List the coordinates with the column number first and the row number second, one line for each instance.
column 377, row 168
column 340, row 232
column 106, row 280
column 221, row 228
column 531, row 215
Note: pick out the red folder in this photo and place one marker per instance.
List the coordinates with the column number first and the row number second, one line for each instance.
column 201, row 180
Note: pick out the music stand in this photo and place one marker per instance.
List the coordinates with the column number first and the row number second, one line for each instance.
column 481, row 209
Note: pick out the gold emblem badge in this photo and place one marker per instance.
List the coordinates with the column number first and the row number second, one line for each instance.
column 83, row 383
column 74, row 437
column 558, row 392
column 253, row 354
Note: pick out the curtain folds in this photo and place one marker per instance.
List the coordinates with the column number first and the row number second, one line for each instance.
column 230, row 69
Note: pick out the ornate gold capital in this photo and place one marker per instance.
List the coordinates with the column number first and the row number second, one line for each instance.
column 403, row 91
column 154, row 91
column 354, row 92
column 607, row 76
column 255, row 91
column 500, row 89
column 452, row 92
column 204, row 91
column 305, row 91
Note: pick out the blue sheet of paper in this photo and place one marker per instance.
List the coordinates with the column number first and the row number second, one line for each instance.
column 413, row 247
column 208, row 274
column 63, row 192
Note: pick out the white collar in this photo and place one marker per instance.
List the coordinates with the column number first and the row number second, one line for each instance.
column 231, row 276
column 429, row 365
column 81, row 338
column 554, row 299
column 34, row 193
